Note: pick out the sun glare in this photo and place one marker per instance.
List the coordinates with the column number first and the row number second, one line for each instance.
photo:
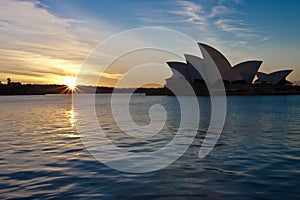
column 70, row 82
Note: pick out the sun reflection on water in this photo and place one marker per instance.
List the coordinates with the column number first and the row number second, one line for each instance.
column 72, row 119
column 72, row 116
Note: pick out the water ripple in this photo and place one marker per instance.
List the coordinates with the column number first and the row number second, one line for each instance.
column 257, row 156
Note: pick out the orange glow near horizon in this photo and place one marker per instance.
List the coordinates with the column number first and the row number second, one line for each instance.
column 70, row 82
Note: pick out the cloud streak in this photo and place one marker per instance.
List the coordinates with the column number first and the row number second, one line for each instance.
column 192, row 13
column 216, row 17
column 237, row 28
column 220, row 24
column 36, row 43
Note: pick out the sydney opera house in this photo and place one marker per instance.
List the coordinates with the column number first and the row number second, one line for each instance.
column 241, row 79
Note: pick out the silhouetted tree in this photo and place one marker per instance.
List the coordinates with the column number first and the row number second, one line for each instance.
column 8, row 81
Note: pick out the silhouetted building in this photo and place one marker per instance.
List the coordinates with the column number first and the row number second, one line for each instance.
column 274, row 78
column 237, row 79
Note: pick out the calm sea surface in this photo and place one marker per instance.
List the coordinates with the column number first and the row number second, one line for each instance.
column 256, row 157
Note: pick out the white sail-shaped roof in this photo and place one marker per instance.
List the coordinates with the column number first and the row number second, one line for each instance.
column 273, row 78
column 210, row 68
column 222, row 63
column 179, row 69
column 195, row 66
column 248, row 69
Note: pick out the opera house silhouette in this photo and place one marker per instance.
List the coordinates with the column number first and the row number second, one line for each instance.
column 238, row 79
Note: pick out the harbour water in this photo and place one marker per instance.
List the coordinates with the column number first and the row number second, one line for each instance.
column 256, row 157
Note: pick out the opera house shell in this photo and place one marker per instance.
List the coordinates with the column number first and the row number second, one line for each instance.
column 237, row 78
column 274, row 78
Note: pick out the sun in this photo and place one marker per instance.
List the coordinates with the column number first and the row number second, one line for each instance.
column 70, row 82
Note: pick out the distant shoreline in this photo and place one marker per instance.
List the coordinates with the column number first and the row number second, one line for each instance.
column 38, row 89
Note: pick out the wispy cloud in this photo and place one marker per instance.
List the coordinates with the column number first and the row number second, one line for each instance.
column 210, row 22
column 237, row 28
column 230, row 25
column 267, row 38
column 36, row 43
column 220, row 10
column 33, row 41
column 226, row 1
column 208, row 19
column 192, row 13
column 238, row 43
column 196, row 12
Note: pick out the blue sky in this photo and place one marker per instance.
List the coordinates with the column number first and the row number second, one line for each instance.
column 241, row 29
column 275, row 18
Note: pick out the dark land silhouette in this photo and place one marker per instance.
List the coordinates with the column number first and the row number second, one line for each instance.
column 16, row 88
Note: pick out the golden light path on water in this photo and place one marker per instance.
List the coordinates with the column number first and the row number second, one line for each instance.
column 72, row 117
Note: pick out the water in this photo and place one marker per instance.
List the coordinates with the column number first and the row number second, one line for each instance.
column 257, row 156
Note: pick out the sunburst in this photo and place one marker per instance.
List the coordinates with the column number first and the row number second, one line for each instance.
column 70, row 82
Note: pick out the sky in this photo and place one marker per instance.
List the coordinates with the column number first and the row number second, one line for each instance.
column 48, row 40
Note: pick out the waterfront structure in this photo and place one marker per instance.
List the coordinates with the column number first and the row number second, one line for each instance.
column 242, row 72
column 179, row 70
column 247, row 70
column 226, row 71
column 274, row 78
column 237, row 79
